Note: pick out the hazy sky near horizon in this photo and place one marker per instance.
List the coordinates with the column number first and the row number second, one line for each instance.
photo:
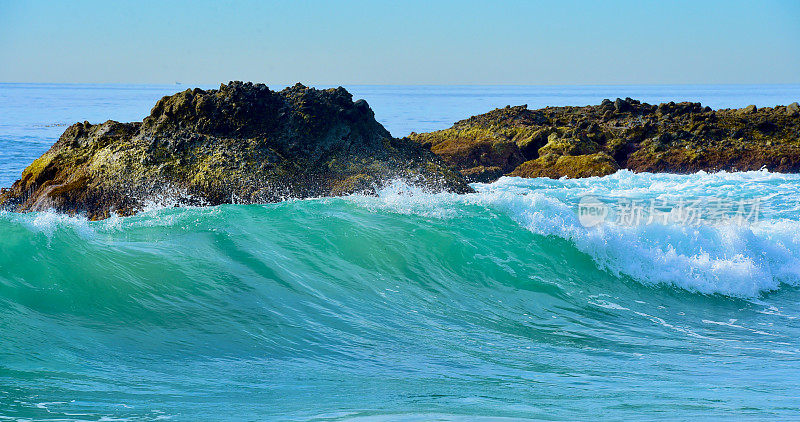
column 402, row 42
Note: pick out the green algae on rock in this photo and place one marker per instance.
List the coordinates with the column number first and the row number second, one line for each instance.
column 598, row 140
column 242, row 143
column 572, row 166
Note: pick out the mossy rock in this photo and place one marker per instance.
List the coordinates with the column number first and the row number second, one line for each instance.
column 242, row 143
column 671, row 137
column 571, row 166
column 529, row 145
column 569, row 146
column 482, row 174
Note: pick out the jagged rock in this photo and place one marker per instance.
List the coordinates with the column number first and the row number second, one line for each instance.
column 621, row 105
column 594, row 140
column 242, row 143
column 749, row 109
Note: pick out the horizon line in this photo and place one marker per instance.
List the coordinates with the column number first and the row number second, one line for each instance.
column 315, row 84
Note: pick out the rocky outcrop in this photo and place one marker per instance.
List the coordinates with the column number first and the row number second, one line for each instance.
column 242, row 143
column 599, row 140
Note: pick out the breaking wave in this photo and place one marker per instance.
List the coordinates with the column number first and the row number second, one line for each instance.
column 426, row 299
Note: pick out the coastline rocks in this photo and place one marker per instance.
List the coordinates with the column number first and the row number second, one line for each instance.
column 488, row 146
column 622, row 134
column 242, row 143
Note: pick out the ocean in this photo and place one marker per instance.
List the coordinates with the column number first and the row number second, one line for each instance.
column 632, row 296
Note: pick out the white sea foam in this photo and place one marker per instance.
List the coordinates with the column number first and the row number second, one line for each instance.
column 742, row 260
column 47, row 222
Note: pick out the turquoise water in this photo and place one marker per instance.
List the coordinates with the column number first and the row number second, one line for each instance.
column 411, row 305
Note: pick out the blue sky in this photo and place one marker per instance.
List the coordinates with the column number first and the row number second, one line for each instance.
column 401, row 42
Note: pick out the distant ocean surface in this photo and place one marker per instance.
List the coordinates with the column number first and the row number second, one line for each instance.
column 681, row 301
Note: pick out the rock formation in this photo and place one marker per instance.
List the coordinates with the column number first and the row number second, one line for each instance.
column 598, row 140
column 242, row 143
